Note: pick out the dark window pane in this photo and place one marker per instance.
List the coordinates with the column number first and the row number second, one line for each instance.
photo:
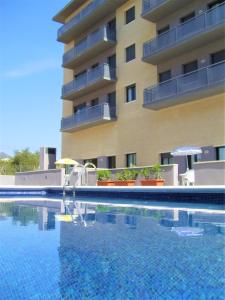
column 131, row 93
column 164, row 29
column 94, row 102
column 218, row 56
column 220, row 153
column 190, row 67
column 111, row 99
column 79, row 107
column 166, row 158
column 130, row 160
column 91, row 160
column 130, row 15
column 164, row 76
column 111, row 162
column 130, row 53
column 187, row 17
column 112, row 61
column 215, row 3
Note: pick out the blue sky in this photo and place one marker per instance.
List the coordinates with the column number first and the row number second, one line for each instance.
column 30, row 75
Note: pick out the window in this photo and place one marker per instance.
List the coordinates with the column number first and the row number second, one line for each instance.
column 94, row 102
column 111, row 162
column 164, row 76
column 218, row 56
column 220, row 153
column 190, row 67
column 111, row 99
column 130, row 15
column 131, row 93
column 187, row 17
column 79, row 107
column 192, row 159
column 130, row 53
column 215, row 3
column 130, row 160
column 166, row 158
column 112, row 61
column 80, row 75
column 164, row 29
column 91, row 160
column 111, row 219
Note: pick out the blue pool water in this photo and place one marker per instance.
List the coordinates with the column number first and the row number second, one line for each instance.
column 102, row 251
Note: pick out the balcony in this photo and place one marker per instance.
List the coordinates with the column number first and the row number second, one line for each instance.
column 154, row 10
column 88, row 117
column 91, row 80
column 204, row 28
column 86, row 18
column 88, row 48
column 192, row 86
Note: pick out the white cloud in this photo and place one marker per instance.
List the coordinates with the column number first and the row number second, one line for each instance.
column 32, row 68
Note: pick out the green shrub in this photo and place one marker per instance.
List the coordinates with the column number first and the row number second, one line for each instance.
column 152, row 172
column 156, row 171
column 145, row 173
column 127, row 175
column 103, row 175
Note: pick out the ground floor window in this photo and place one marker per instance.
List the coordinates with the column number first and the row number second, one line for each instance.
column 91, row 160
column 131, row 160
column 111, row 162
column 166, row 158
column 220, row 153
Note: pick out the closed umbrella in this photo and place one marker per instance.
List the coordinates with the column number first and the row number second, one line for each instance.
column 185, row 151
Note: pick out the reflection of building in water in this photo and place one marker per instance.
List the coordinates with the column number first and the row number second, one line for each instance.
column 46, row 218
column 95, row 256
column 210, row 223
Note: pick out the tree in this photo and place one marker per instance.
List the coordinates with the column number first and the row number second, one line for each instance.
column 25, row 160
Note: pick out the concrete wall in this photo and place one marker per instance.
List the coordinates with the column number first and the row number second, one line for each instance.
column 7, row 180
column 46, row 177
column 210, row 173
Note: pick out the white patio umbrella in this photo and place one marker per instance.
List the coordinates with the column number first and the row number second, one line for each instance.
column 185, row 151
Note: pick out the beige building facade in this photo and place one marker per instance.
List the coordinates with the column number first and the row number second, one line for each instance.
column 142, row 77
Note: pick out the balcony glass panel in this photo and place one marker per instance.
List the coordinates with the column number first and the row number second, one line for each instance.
column 91, row 76
column 99, row 35
column 80, row 16
column 148, row 5
column 201, row 23
column 190, row 82
column 88, row 115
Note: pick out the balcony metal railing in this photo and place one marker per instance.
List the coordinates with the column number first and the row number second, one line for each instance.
column 89, row 115
column 103, row 71
column 200, row 24
column 148, row 5
column 94, row 38
column 80, row 16
column 194, row 81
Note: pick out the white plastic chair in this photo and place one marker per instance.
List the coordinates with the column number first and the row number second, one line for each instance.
column 188, row 178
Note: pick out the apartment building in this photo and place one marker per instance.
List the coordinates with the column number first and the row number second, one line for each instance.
column 142, row 77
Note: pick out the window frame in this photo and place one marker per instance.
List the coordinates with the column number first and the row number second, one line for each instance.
column 133, row 85
column 128, row 163
column 132, row 55
column 132, row 17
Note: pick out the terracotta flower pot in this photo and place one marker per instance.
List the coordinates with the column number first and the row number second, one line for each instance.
column 125, row 182
column 155, row 182
column 106, row 183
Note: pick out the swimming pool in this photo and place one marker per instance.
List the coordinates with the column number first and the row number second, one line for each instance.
column 110, row 250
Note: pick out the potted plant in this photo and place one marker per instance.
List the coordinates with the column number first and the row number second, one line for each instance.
column 103, row 178
column 126, row 178
column 152, row 176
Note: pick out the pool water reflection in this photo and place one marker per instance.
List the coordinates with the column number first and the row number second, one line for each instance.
column 80, row 250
